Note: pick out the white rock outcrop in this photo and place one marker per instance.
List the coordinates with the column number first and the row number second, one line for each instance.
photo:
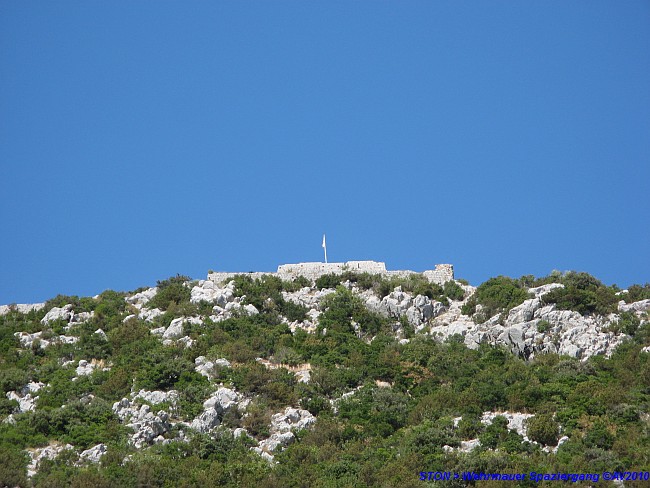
column 20, row 307
column 58, row 313
column 26, row 397
column 175, row 328
column 307, row 297
column 146, row 314
column 569, row 333
column 40, row 453
column 208, row 291
column 283, row 426
column 640, row 306
column 516, row 421
column 94, row 454
column 29, row 340
column 85, row 368
column 156, row 396
column 419, row 310
column 214, row 408
column 148, row 427
column 140, row 299
column 540, row 291
column 206, row 368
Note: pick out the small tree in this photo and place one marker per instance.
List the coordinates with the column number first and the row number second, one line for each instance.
column 543, row 428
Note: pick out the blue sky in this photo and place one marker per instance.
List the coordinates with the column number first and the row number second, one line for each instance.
column 143, row 139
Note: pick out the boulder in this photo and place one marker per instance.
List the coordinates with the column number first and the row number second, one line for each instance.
column 85, row 368
column 156, row 396
column 149, row 315
column 142, row 298
column 640, row 306
column 94, row 454
column 40, row 453
column 58, row 313
column 524, row 312
column 544, row 289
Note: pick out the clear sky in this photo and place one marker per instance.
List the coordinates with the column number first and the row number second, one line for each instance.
column 142, row 139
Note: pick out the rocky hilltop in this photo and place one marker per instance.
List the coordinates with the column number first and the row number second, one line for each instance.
column 253, row 360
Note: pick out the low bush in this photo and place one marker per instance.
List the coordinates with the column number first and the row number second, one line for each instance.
column 496, row 295
column 636, row 293
column 543, row 428
column 171, row 291
column 584, row 294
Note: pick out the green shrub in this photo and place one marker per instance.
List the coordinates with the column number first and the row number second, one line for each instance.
column 584, row 294
column 495, row 433
column 265, row 294
column 636, row 293
column 296, row 284
column 628, row 323
column 12, row 379
column 330, row 280
column 453, row 291
column 599, row 436
column 344, row 309
column 543, row 326
column 496, row 295
column 13, row 466
column 171, row 291
column 83, row 304
column 543, row 428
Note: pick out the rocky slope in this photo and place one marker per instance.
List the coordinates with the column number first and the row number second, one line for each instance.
column 155, row 416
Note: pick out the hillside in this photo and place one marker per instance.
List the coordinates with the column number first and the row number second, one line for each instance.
column 346, row 377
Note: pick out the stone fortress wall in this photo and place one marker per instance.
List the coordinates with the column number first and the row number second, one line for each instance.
column 312, row 271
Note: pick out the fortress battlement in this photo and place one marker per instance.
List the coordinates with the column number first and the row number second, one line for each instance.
column 312, row 271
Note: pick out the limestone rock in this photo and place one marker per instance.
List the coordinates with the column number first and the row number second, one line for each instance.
column 40, row 453
column 307, row 297
column 156, row 396
column 158, row 331
column 516, row 421
column 303, row 376
column 27, row 340
column 20, row 308
column 85, row 368
column 148, row 427
column 58, row 313
column 213, row 409
column 148, row 315
column 540, row 291
column 208, row 291
column 175, row 329
column 523, row 312
column 26, row 397
column 206, row 368
column 570, row 333
column 94, row 454
column 418, row 311
column 640, row 306
column 283, row 426
column 142, row 298
column 467, row 446
column 291, row 419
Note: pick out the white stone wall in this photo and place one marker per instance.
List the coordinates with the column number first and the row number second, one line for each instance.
column 221, row 277
column 441, row 274
column 312, row 271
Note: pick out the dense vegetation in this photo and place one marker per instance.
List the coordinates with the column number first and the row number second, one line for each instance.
column 581, row 292
column 379, row 436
